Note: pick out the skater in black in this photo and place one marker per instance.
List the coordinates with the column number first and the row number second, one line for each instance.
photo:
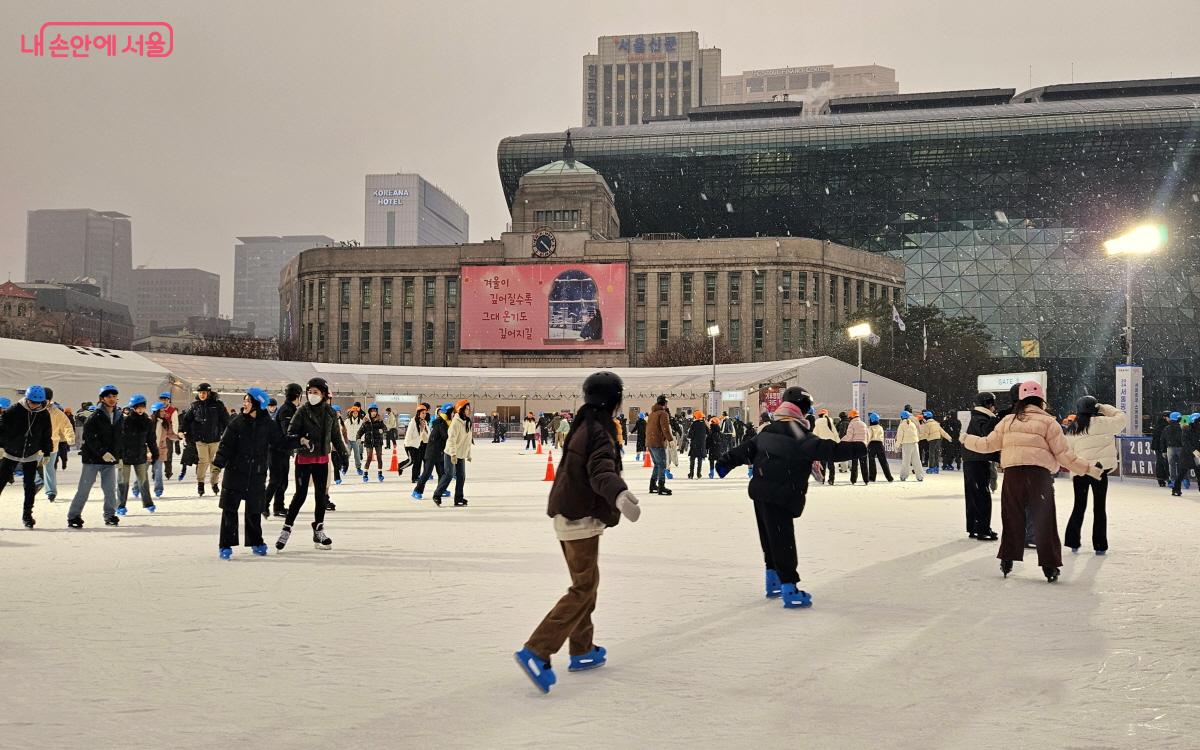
column 25, row 440
column 281, row 454
column 977, row 471
column 715, row 444
column 782, row 454
column 371, row 434
column 245, row 454
column 435, row 449
column 137, row 439
column 588, row 496
column 697, row 445
column 876, row 455
column 317, row 432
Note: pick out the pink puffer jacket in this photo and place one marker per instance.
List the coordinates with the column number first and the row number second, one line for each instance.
column 856, row 432
column 1036, row 440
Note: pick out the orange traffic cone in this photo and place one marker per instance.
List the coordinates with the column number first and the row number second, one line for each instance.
column 549, row 467
column 395, row 461
column 539, row 450
column 646, row 462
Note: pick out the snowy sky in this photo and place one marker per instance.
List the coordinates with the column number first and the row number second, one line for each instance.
column 269, row 113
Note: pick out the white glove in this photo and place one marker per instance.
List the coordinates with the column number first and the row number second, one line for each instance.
column 1096, row 471
column 628, row 505
column 305, row 443
column 109, row 458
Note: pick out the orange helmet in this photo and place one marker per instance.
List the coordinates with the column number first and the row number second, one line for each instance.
column 715, row 420
column 822, row 412
column 852, row 413
column 697, row 414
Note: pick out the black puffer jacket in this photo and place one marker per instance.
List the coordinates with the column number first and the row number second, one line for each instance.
column 244, row 454
column 25, row 434
column 321, row 426
column 371, row 433
column 981, row 425
column 205, row 420
column 137, row 437
column 782, row 455
column 283, row 418
column 1172, row 436
column 439, row 430
column 697, row 439
column 101, row 435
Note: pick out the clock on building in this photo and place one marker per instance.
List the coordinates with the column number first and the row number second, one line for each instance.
column 544, row 243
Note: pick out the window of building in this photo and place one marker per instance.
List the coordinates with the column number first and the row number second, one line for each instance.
column 385, row 337
column 735, row 334
column 664, row 288
column 685, row 328
column 563, row 216
column 408, row 292
column 430, row 290
column 802, row 338
column 574, row 311
column 321, row 336
column 323, row 295
column 364, row 338
column 833, row 290
column 451, row 335
column 344, row 294
column 735, row 287
column 344, row 337
column 606, row 87
column 846, row 295
column 640, row 336
column 785, row 286
column 687, row 287
column 429, row 337
column 710, row 288
column 760, row 287
column 664, row 331
column 452, row 292
column 660, row 88
column 673, row 84
column 639, row 288
column 385, row 293
column 364, row 290
column 309, row 338
column 687, row 85
column 785, row 333
column 801, row 286
column 758, row 334
column 407, row 333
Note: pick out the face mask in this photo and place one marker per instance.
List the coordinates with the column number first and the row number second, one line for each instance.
column 314, row 399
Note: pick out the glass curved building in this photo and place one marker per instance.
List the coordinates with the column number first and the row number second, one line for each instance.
column 997, row 202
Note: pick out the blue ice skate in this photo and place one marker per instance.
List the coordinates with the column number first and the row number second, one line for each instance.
column 750, row 472
column 538, row 671
column 794, row 598
column 592, row 659
column 773, row 585
column 1101, row 552
column 366, row 478
column 258, row 549
column 337, row 481
column 136, row 491
column 670, row 475
column 381, row 476
column 417, row 495
column 226, row 553
column 151, row 508
column 122, row 511
column 638, row 457
column 445, row 493
column 710, row 473
column 158, row 493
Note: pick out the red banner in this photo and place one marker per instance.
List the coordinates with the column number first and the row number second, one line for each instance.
column 770, row 398
column 543, row 306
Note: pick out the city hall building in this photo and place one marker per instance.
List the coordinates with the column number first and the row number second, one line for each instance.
column 566, row 288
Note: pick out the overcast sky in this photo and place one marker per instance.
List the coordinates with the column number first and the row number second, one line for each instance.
column 269, row 113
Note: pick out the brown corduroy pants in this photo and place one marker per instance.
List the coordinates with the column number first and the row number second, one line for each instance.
column 1029, row 489
column 571, row 617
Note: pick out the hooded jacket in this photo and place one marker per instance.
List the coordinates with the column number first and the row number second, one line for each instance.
column 137, row 439
column 908, row 433
column 101, row 435
column 205, row 420
column 658, row 427
column 244, row 454
column 588, row 480
column 875, row 433
column 417, row 431
column 370, row 432
column 1036, row 440
column 1098, row 445
column 61, row 429
column 24, row 434
column 697, row 439
column 825, row 429
column 438, row 432
column 983, row 421
column 932, row 430
column 321, row 426
column 459, row 438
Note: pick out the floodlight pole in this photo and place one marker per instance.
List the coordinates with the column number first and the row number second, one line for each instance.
column 713, row 389
column 1128, row 310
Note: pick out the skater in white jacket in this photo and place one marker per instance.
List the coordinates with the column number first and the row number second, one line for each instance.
column 908, row 435
column 1091, row 438
column 825, row 429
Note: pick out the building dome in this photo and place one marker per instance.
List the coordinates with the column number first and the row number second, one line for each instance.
column 561, row 167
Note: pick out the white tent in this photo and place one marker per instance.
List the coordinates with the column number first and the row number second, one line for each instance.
column 76, row 372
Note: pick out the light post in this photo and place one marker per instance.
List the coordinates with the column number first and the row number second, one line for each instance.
column 1143, row 240
column 859, row 332
column 714, row 330
column 858, row 390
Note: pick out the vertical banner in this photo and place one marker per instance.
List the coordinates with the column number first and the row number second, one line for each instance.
column 858, row 397
column 714, row 403
column 1129, row 396
column 769, row 399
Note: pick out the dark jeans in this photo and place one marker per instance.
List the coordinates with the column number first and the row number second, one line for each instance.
column 571, row 617
column 229, row 518
column 923, row 445
column 452, row 469
column 1183, row 467
column 1029, row 490
column 389, row 438
column 777, row 535
column 977, row 478
column 430, row 465
column 658, row 463
column 281, row 467
column 318, row 474
column 858, row 465
column 695, row 465
column 417, row 456
column 29, row 480
column 1099, row 488
column 877, row 455
column 1160, row 468
column 829, row 469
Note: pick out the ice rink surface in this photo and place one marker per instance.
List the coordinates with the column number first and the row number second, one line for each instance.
column 402, row 635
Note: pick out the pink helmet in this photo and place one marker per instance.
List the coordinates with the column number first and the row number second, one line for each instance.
column 1031, row 388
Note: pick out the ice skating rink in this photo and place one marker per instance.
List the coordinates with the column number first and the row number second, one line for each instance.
column 402, row 635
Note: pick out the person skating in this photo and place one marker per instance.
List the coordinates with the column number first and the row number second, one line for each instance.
column 170, row 415
column 1092, row 437
column 281, row 454
column 435, row 451
column 1172, row 440
column 392, row 427
column 977, row 471
column 876, row 454
column 826, row 429
column 587, row 497
column 137, row 440
column 639, row 432
column 932, row 434
column 856, row 431
column 62, row 437
column 203, row 424
column 245, row 454
column 781, row 454
column 560, row 432
column 1032, row 447
column 952, row 449
column 1188, row 442
column 529, row 430
column 26, row 439
column 351, row 422
column 416, row 441
column 98, row 454
column 371, row 434
column 316, row 430
column 1160, row 451
column 457, row 453
column 697, row 445
column 908, row 435
column 715, row 446
column 658, row 434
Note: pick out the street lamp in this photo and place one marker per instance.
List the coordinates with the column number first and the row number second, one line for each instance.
column 714, row 330
column 859, row 332
column 1143, row 240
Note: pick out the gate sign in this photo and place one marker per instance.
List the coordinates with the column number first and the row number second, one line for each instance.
column 1002, row 382
column 1137, row 460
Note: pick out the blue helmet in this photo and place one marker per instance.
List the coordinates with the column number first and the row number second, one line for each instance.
column 137, row 399
column 336, row 408
column 259, row 396
column 873, row 417
column 927, row 414
column 445, row 408
column 1175, row 416
column 165, row 394
column 156, row 408
column 35, row 394
column 642, row 415
column 374, row 406
column 905, row 414
column 107, row 389
column 1195, row 417
column 5, row 403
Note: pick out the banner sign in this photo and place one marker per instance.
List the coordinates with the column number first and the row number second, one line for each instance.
column 1137, row 460
column 858, row 398
column 770, row 398
column 1129, row 397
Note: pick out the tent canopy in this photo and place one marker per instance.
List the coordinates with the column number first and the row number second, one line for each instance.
column 76, row 372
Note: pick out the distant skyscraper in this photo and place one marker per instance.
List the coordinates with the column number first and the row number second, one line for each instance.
column 634, row 77
column 257, row 262
column 66, row 244
column 815, row 83
column 169, row 296
column 406, row 209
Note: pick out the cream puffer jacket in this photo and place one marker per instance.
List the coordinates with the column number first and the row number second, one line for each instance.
column 60, row 427
column 826, row 430
column 875, row 433
column 1036, row 440
column 931, row 429
column 908, row 432
column 459, row 439
column 857, row 432
column 1098, row 445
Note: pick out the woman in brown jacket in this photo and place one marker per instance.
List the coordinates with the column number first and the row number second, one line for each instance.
column 588, row 496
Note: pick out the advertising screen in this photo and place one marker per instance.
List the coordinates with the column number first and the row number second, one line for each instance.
column 543, row 306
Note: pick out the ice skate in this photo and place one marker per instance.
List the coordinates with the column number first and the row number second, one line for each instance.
column 1101, row 552
column 122, row 511
column 591, row 660
column 539, row 672
column 282, row 541
column 459, row 503
column 28, row 521
column 366, row 478
column 1051, row 573
column 987, row 536
column 773, row 586
column 151, row 508
column 226, row 553
column 794, row 598
column 113, row 521
column 320, row 539
column 216, row 488
column 417, row 495
column 380, row 476
column 200, row 488
column 259, row 549
column 75, row 523
column 1006, row 567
